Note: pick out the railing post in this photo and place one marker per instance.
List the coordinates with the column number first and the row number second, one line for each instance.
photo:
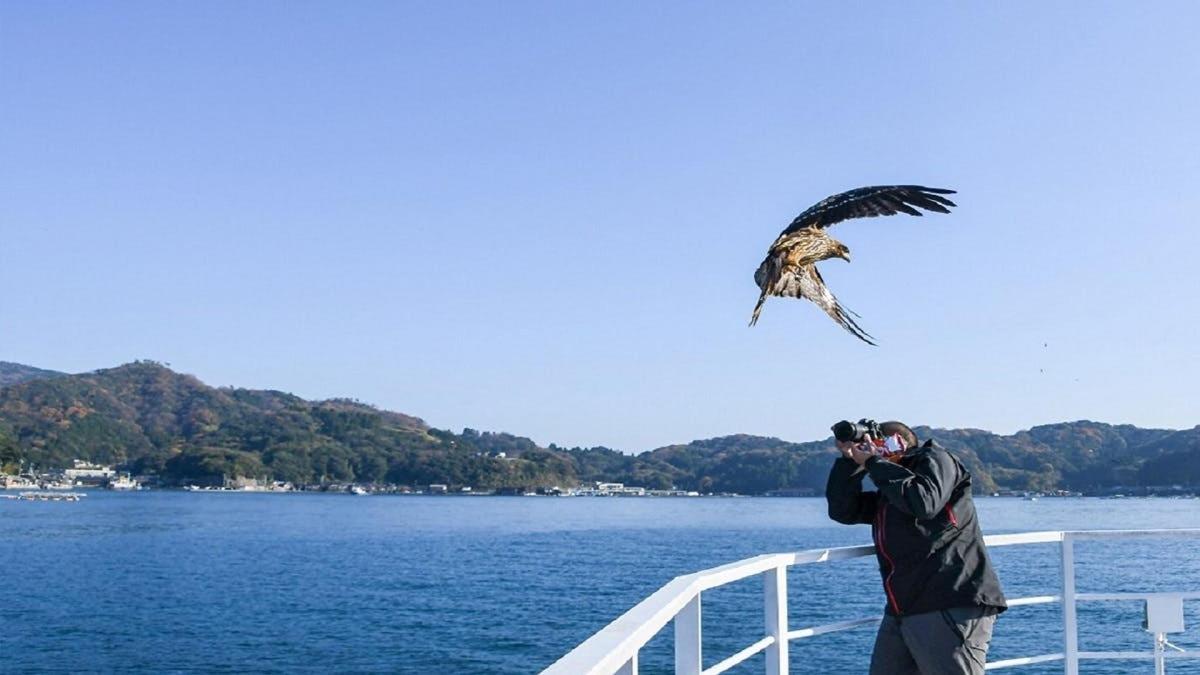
column 1070, row 627
column 775, row 615
column 1160, row 663
column 687, row 639
column 630, row 666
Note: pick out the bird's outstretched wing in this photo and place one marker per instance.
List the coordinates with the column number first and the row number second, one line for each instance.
column 806, row 282
column 868, row 202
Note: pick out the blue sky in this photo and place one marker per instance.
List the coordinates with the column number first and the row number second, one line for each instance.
column 544, row 218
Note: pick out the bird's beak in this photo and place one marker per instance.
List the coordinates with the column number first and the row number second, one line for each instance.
column 845, row 256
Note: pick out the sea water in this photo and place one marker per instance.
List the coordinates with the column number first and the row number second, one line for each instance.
column 237, row 582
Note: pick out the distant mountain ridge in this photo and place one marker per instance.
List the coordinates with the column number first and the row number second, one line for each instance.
column 151, row 419
column 16, row 373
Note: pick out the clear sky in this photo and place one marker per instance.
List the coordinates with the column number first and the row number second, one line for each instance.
column 544, row 218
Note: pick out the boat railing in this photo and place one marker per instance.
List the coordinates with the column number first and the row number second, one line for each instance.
column 615, row 649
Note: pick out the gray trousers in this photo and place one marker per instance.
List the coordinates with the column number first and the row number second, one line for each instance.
column 946, row 642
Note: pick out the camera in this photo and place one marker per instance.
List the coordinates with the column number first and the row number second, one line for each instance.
column 847, row 431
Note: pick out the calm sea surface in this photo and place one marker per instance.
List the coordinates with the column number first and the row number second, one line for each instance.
column 184, row 582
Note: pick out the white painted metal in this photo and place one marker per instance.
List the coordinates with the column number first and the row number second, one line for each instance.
column 1135, row 656
column 740, row 656
column 831, row 627
column 1023, row 661
column 775, row 619
column 1082, row 535
column 606, row 651
column 687, row 639
column 725, row 574
column 1035, row 600
column 1070, row 628
column 1164, row 613
column 615, row 648
column 821, row 555
column 994, row 540
column 1135, row 596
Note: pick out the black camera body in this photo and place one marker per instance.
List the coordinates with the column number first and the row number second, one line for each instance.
column 856, row 432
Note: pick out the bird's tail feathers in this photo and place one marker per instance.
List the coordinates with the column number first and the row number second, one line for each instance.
column 762, row 299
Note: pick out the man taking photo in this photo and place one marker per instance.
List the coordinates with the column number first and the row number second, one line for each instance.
column 942, row 593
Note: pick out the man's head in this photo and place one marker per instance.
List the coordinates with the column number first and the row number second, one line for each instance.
column 907, row 439
column 894, row 427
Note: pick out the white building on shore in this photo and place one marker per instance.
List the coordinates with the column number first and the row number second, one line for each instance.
column 610, row 490
column 87, row 472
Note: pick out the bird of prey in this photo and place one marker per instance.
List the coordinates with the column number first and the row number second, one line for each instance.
column 790, row 268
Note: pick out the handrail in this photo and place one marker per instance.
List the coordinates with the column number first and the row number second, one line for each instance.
column 614, row 649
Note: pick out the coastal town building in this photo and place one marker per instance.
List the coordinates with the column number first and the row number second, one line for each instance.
column 88, row 473
column 600, row 489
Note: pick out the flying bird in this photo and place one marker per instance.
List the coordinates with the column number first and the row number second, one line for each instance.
column 790, row 268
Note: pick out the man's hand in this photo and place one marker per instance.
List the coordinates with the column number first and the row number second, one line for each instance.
column 858, row 452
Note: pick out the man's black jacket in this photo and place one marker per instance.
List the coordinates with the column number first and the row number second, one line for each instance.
column 927, row 539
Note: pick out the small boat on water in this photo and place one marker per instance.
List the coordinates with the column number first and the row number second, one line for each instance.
column 124, row 482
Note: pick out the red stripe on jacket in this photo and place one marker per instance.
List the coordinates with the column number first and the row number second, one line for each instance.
column 880, row 541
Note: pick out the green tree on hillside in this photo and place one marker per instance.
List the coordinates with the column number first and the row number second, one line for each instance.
column 10, row 454
column 210, row 465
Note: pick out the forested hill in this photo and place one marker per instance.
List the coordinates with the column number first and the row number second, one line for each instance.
column 151, row 419
column 154, row 420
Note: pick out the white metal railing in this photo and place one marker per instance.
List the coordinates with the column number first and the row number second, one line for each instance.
column 614, row 650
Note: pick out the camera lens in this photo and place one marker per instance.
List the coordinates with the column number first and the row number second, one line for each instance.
column 845, row 431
